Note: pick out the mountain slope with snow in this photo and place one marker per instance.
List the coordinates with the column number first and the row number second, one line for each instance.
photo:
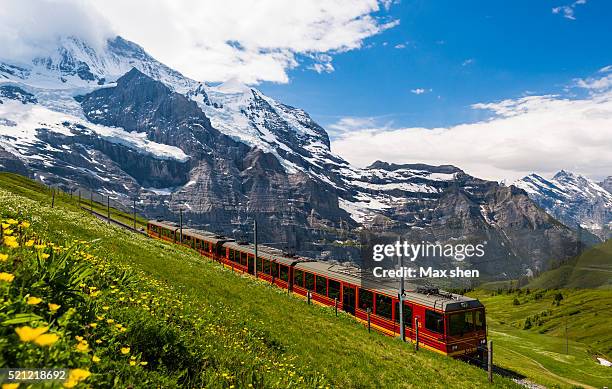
column 121, row 123
column 573, row 199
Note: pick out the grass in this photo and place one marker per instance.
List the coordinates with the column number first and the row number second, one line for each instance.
column 539, row 350
column 191, row 321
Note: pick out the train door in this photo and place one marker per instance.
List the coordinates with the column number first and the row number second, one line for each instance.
column 348, row 299
column 251, row 264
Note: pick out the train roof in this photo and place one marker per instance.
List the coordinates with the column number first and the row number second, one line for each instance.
column 164, row 224
column 429, row 297
column 205, row 235
column 266, row 252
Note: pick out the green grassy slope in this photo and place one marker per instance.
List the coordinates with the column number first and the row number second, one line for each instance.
column 539, row 349
column 592, row 269
column 232, row 330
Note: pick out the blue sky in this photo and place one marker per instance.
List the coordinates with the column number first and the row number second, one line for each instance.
column 504, row 88
column 459, row 53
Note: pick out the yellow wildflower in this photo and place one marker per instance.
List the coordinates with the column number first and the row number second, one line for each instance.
column 3, row 257
column 95, row 359
column 11, row 242
column 11, row 221
column 125, row 350
column 75, row 376
column 46, row 339
column 93, row 325
column 82, row 347
column 132, row 363
column 28, row 334
column 34, row 300
column 110, row 321
column 79, row 338
column 40, row 246
column 94, row 293
column 5, row 226
column 29, row 243
column 24, row 224
column 106, row 307
column 6, row 277
column 8, row 231
column 44, row 255
column 53, row 307
column 144, row 363
column 10, row 386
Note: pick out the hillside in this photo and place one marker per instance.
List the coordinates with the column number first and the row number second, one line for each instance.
column 591, row 269
column 186, row 321
column 528, row 329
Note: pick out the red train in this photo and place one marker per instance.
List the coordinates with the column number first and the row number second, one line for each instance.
column 448, row 323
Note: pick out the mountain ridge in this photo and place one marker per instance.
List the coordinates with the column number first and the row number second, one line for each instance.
column 222, row 154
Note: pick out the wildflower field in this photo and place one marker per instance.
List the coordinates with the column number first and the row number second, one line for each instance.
column 122, row 310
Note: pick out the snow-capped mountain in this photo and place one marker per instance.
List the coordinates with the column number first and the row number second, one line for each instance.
column 607, row 184
column 121, row 123
column 572, row 199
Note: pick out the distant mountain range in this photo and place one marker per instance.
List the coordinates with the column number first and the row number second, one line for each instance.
column 574, row 200
column 121, row 123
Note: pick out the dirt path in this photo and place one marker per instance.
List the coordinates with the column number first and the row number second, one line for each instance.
column 560, row 378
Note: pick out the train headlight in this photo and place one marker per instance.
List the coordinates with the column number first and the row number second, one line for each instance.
column 483, row 341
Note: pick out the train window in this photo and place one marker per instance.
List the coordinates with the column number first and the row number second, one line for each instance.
column 274, row 269
column 334, row 289
column 259, row 264
column 383, row 306
column 298, row 278
column 309, row 281
column 231, row 255
column 266, row 266
column 284, row 273
column 407, row 314
column 321, row 285
column 461, row 323
column 243, row 259
column 434, row 321
column 365, row 299
column 479, row 320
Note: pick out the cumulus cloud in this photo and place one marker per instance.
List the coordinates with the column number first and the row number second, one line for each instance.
column 541, row 134
column 32, row 28
column 568, row 10
column 249, row 40
column 419, row 91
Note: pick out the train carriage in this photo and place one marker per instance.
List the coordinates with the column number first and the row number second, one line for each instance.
column 160, row 229
column 206, row 243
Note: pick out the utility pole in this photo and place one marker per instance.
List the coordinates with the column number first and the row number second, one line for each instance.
column 401, row 301
column 181, row 225
column 134, row 213
column 416, row 336
column 490, row 361
column 91, row 201
column 255, row 243
column 108, row 208
column 52, row 198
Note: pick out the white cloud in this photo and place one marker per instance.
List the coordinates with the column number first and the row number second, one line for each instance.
column 595, row 84
column 400, row 46
column 568, row 10
column 467, row 62
column 540, row 134
column 206, row 40
column 420, row 91
column 33, row 28
column 606, row 69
